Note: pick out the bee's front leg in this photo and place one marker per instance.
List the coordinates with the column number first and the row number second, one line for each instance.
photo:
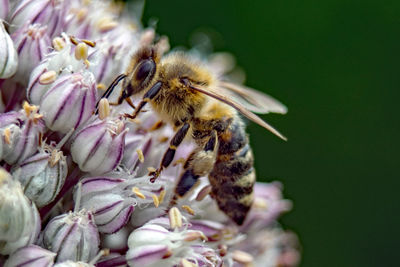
column 170, row 153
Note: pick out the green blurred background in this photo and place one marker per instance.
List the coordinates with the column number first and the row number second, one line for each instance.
column 335, row 64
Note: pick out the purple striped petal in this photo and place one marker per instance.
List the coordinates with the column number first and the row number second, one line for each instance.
column 70, row 102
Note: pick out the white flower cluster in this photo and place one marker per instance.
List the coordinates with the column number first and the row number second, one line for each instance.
column 74, row 184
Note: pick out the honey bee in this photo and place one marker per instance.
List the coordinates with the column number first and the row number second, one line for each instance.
column 188, row 96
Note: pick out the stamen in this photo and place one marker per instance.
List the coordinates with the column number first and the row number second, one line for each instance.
column 242, row 257
column 137, row 192
column 58, row 43
column 140, row 155
column 161, row 196
column 37, row 117
column 205, row 191
column 151, row 169
column 106, row 24
column 260, row 203
column 167, row 254
column 188, row 209
column 104, row 108
column 7, row 135
column 48, row 77
column 81, row 51
column 103, row 252
column 89, row 43
column 73, row 40
column 186, row 263
column 192, row 236
column 156, row 201
column 55, row 157
column 156, row 126
column 175, row 218
column 101, row 86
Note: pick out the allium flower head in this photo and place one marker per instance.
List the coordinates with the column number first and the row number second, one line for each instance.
column 87, row 164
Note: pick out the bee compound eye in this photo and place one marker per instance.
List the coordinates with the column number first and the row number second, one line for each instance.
column 145, row 70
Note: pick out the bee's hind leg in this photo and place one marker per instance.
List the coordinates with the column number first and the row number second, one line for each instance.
column 199, row 163
column 170, row 153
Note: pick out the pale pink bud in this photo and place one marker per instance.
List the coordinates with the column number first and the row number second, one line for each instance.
column 73, row 236
column 70, row 101
column 32, row 43
column 42, row 175
column 19, row 218
column 31, row 255
column 99, row 146
column 8, row 54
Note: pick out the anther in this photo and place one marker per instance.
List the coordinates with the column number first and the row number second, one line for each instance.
column 140, row 155
column 106, row 24
column 151, row 169
column 137, row 192
column 104, row 108
column 48, row 77
column 156, row 201
column 89, row 43
column 194, row 235
column 7, row 135
column 161, row 196
column 205, row 191
column 260, row 203
column 186, row 263
column 58, row 43
column 188, row 209
column 175, row 218
column 242, row 257
column 81, row 51
column 101, row 86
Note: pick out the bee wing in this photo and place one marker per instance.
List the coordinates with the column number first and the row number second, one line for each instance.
column 251, row 99
column 214, row 93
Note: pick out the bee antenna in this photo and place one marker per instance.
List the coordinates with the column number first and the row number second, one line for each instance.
column 110, row 89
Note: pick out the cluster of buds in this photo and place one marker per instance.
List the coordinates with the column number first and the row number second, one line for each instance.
column 74, row 184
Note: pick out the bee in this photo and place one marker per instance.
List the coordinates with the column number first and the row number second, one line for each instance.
column 187, row 95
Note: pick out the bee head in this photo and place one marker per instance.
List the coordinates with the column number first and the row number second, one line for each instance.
column 141, row 72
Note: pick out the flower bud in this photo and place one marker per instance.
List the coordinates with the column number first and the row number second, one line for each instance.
column 56, row 64
column 73, row 236
column 69, row 102
column 8, row 54
column 112, row 200
column 42, row 175
column 4, row 9
column 32, row 43
column 154, row 244
column 46, row 12
column 31, row 255
column 104, row 197
column 99, row 146
column 20, row 132
column 19, row 218
column 73, row 264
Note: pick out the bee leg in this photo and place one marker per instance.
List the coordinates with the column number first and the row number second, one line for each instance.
column 199, row 163
column 110, row 89
column 170, row 153
column 149, row 95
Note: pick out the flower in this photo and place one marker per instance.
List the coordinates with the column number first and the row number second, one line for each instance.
column 19, row 218
column 31, row 255
column 86, row 165
column 9, row 56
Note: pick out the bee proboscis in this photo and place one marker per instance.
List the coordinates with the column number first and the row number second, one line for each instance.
column 187, row 95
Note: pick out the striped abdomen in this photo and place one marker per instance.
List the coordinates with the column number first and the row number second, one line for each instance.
column 233, row 176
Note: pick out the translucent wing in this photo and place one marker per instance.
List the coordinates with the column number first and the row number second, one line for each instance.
column 215, row 93
column 251, row 99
